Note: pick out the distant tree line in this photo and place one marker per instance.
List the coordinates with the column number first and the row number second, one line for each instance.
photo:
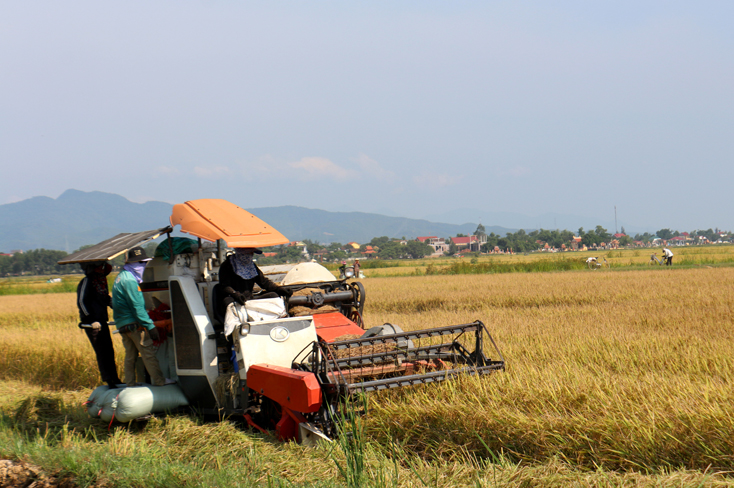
column 522, row 241
column 384, row 248
column 35, row 262
column 43, row 261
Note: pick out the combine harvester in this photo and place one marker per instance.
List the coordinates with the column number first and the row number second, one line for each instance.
column 287, row 367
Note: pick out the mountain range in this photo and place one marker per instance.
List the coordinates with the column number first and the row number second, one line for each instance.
column 77, row 218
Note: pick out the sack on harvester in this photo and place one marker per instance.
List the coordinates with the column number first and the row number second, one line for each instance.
column 126, row 404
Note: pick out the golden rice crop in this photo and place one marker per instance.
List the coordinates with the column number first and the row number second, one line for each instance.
column 629, row 371
column 42, row 343
column 623, row 370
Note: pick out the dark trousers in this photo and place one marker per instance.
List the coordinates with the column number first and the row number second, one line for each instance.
column 669, row 261
column 102, row 345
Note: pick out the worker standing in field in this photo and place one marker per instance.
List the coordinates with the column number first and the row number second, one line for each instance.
column 356, row 268
column 668, row 255
column 93, row 298
column 137, row 330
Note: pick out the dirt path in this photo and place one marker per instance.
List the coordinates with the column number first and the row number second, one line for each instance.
column 20, row 474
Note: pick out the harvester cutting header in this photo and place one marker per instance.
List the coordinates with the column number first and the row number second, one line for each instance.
column 282, row 363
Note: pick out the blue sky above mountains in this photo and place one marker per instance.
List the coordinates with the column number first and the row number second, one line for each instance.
column 414, row 109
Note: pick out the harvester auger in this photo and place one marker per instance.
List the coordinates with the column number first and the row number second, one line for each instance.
column 289, row 366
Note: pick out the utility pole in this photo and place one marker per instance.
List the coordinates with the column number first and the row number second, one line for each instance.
column 615, row 220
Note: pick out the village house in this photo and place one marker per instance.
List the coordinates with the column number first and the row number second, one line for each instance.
column 438, row 244
column 575, row 243
column 471, row 243
column 351, row 247
column 369, row 251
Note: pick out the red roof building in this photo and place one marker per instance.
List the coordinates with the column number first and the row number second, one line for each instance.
column 472, row 243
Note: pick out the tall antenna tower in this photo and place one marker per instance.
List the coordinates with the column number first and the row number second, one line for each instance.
column 615, row 220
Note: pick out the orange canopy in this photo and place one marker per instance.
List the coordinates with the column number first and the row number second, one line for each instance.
column 214, row 219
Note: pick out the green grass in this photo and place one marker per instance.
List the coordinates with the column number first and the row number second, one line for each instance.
column 9, row 287
column 539, row 266
column 53, row 431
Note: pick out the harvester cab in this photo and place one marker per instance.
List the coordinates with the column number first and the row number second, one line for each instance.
column 286, row 367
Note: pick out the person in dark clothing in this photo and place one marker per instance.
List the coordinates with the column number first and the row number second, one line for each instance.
column 93, row 298
column 238, row 275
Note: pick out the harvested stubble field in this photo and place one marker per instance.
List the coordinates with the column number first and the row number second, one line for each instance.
column 613, row 379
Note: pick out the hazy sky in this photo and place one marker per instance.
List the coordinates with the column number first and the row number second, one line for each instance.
column 406, row 108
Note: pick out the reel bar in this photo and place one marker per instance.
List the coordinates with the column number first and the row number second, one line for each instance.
column 395, row 355
column 416, row 334
column 419, row 379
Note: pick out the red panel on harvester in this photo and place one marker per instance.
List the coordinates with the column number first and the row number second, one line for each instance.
column 330, row 326
column 297, row 390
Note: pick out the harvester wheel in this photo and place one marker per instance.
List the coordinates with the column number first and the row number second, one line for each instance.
column 358, row 291
column 356, row 317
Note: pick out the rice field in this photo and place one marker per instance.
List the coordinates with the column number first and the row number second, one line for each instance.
column 620, row 378
column 685, row 257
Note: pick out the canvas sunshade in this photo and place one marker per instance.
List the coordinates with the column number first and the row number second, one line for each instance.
column 113, row 247
column 214, row 219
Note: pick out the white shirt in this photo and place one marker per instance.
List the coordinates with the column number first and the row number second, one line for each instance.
column 668, row 252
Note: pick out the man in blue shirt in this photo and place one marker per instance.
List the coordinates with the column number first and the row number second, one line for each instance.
column 137, row 330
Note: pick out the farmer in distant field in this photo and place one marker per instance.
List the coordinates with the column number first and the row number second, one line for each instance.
column 356, row 268
column 238, row 275
column 343, row 269
column 93, row 298
column 667, row 256
column 137, row 330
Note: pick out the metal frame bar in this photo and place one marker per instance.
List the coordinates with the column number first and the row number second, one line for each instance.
column 419, row 379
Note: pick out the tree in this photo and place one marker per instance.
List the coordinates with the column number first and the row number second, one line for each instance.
column 417, row 249
column 602, row 232
column 453, row 248
column 664, row 234
column 391, row 250
column 480, row 231
column 312, row 246
column 36, row 261
column 379, row 241
column 625, row 240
